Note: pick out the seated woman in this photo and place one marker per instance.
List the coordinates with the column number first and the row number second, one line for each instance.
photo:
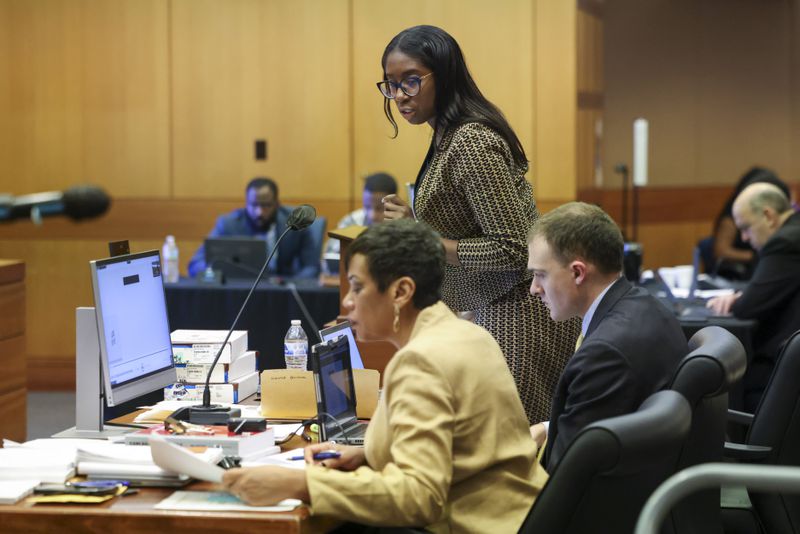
column 448, row 447
column 733, row 257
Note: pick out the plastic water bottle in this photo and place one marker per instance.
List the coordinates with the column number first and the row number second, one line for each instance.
column 295, row 347
column 170, row 258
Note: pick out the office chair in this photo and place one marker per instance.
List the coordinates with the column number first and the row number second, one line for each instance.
column 716, row 362
column 610, row 468
column 773, row 438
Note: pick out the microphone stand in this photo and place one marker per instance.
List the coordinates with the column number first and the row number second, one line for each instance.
column 216, row 414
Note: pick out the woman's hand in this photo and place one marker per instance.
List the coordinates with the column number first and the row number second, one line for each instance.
column 395, row 207
column 266, row 485
column 351, row 457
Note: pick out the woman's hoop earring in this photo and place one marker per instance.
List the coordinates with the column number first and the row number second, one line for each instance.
column 396, row 323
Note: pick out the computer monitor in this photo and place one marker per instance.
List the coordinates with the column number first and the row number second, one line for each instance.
column 344, row 329
column 236, row 257
column 132, row 326
column 123, row 347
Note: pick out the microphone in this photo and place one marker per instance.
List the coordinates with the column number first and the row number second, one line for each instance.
column 78, row 203
column 216, row 414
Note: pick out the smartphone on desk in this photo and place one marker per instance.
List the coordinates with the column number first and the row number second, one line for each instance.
column 69, row 489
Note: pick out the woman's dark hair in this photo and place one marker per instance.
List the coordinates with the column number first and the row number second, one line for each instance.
column 752, row 176
column 458, row 99
column 403, row 248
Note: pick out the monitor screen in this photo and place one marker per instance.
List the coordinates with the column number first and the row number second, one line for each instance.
column 335, row 388
column 132, row 325
column 236, row 257
column 344, row 329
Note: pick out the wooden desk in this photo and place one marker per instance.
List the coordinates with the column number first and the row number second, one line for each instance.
column 136, row 514
column 13, row 379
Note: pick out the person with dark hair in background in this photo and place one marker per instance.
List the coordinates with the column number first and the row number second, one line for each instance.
column 472, row 190
column 733, row 257
column 376, row 186
column 630, row 345
column 448, row 447
column 766, row 220
column 263, row 217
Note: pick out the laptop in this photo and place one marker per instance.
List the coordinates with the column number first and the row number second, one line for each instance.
column 336, row 393
column 236, row 257
column 691, row 308
column 344, row 329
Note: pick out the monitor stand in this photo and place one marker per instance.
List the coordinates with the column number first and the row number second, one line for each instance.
column 89, row 398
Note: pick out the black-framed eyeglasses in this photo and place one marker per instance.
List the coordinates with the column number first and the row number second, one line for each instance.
column 409, row 85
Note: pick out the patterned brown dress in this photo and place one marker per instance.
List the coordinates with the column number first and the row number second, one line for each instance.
column 472, row 191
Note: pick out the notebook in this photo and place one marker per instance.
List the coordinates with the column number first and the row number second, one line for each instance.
column 344, row 329
column 335, row 392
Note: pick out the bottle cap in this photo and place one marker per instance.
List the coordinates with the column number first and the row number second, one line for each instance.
column 296, row 321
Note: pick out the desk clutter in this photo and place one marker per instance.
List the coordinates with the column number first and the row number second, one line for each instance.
column 234, row 378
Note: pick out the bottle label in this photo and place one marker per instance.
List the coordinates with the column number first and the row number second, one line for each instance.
column 295, row 348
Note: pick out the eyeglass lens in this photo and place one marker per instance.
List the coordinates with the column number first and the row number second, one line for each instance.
column 409, row 86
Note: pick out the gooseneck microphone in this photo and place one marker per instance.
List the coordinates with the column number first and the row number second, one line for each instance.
column 78, row 203
column 216, row 414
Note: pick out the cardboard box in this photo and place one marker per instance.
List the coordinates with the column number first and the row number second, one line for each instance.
column 290, row 394
column 200, row 346
column 223, row 373
column 232, row 393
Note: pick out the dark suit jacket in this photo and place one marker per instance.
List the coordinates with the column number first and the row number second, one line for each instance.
column 773, row 298
column 631, row 349
column 298, row 253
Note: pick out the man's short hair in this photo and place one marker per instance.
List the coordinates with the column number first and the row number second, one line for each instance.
column 380, row 182
column 580, row 230
column 262, row 181
column 769, row 196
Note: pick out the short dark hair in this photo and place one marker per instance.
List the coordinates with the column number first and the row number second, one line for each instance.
column 458, row 100
column 580, row 230
column 262, row 181
column 403, row 248
column 380, row 182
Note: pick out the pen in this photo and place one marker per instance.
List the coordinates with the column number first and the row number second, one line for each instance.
column 324, row 455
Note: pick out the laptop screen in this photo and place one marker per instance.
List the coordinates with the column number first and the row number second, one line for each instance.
column 333, row 377
column 344, row 329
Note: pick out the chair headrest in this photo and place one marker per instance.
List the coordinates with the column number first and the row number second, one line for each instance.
column 716, row 362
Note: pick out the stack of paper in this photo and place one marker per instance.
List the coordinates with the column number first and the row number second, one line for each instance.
column 12, row 491
column 18, row 462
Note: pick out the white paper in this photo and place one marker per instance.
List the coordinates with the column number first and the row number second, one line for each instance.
column 180, row 460
column 12, row 491
column 218, row 501
column 280, row 460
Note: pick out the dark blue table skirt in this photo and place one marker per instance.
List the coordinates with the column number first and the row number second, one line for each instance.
column 267, row 316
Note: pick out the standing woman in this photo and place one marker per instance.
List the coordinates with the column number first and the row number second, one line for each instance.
column 472, row 190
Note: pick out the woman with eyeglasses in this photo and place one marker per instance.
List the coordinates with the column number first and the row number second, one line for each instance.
column 448, row 448
column 472, row 190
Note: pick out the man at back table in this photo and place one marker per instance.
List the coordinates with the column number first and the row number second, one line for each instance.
column 629, row 346
column 766, row 220
column 263, row 217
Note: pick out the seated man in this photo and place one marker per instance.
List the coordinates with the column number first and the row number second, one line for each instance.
column 629, row 346
column 766, row 220
column 376, row 186
column 263, row 217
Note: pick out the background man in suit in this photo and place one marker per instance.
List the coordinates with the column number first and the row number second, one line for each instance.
column 630, row 344
column 263, row 217
column 376, row 186
column 766, row 220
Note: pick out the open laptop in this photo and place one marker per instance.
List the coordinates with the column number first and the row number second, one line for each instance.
column 236, row 257
column 344, row 329
column 336, row 393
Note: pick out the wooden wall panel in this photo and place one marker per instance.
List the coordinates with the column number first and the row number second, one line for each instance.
column 499, row 56
column 275, row 70
column 13, row 379
column 85, row 96
column 714, row 80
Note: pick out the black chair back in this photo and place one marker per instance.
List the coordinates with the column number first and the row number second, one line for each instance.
column 776, row 424
column 611, row 468
column 716, row 362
